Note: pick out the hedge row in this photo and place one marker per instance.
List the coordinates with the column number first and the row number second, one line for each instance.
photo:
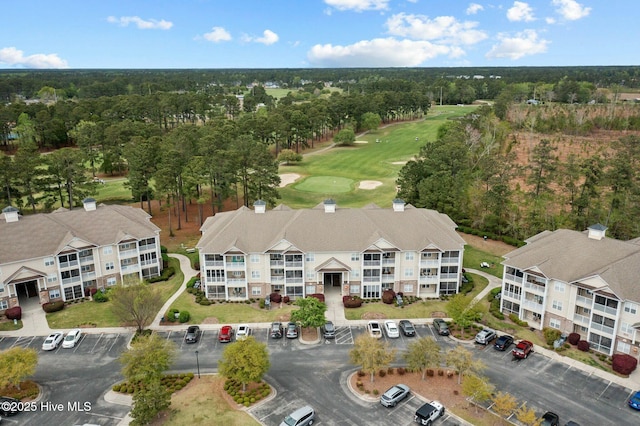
column 166, row 274
column 53, row 306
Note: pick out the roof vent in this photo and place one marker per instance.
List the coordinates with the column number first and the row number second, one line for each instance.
column 260, row 206
column 10, row 214
column 89, row 204
column 597, row 231
column 398, row 205
column 329, row 206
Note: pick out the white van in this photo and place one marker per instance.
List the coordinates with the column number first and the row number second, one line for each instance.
column 301, row 417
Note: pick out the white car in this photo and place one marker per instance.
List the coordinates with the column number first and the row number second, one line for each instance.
column 391, row 329
column 374, row 329
column 72, row 338
column 52, row 342
column 243, row 332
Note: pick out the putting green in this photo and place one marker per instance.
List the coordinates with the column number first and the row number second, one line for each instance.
column 325, row 184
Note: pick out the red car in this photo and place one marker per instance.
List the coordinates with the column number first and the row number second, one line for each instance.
column 522, row 349
column 226, row 334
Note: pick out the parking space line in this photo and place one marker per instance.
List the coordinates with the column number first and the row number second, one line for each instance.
column 605, row 389
column 114, row 342
column 96, row 344
column 77, row 345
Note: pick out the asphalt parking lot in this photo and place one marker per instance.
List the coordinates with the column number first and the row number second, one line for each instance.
column 103, row 343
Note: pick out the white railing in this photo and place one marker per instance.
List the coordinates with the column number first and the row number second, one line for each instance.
column 130, row 269
column 371, row 279
column 606, row 309
column 146, row 247
column 388, row 278
column 294, row 280
column 293, row 264
column 581, row 319
column 432, row 263
column 511, row 295
column 236, row 281
column 149, row 262
column 128, row 253
column 277, row 278
column 218, row 263
column 235, row 265
column 71, row 280
column 276, row 262
column 586, row 301
column 533, row 306
column 389, row 261
column 214, row 280
column 428, row 279
column 371, row 263
column 86, row 259
column 603, row 328
column 535, row 287
column 448, row 276
column 86, row 276
column 64, row 265
column 450, row 260
column 514, row 278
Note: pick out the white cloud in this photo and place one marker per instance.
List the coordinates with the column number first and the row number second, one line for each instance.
column 520, row 11
column 444, row 29
column 358, row 5
column 151, row 24
column 217, row 34
column 550, row 20
column 571, row 10
column 268, row 37
column 522, row 44
column 380, row 52
column 14, row 57
column 474, row 8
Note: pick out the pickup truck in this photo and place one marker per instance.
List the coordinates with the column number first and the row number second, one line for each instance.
column 522, row 349
column 428, row 413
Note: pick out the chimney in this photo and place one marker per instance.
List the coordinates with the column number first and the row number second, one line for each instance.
column 398, row 205
column 10, row 214
column 329, row 206
column 260, row 206
column 597, row 231
column 89, row 204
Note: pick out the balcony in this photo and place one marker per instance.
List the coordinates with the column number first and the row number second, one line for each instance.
column 511, row 295
column 448, row 277
column 86, row 259
column 149, row 262
column 433, row 263
column 513, row 278
column 606, row 309
column 236, row 281
column 389, row 261
column 277, row 279
column 235, row 265
column 65, row 265
column 214, row 280
column 212, row 263
column 276, row 262
column 293, row 264
column 147, row 247
column 388, row 278
column 88, row 276
column 584, row 301
column 603, row 328
column 450, row 260
column 371, row 262
column 535, row 288
column 428, row 279
column 533, row 306
column 371, row 279
column 128, row 253
column 130, row 269
column 581, row 319
column 70, row 280
column 293, row 280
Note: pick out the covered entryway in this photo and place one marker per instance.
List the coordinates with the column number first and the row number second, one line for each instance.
column 28, row 295
column 332, row 279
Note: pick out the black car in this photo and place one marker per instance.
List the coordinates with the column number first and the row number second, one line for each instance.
column 329, row 330
column 9, row 406
column 193, row 334
column 441, row 326
column 503, row 342
column 276, row 330
column 407, row 328
column 550, row 419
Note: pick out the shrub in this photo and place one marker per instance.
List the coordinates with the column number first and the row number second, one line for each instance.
column 573, row 338
column 376, row 391
column 361, row 373
column 401, row 371
column 551, row 335
column 583, row 345
column 275, row 298
column 262, row 303
column 14, row 313
column 624, row 363
column 205, row 302
column 351, row 301
column 388, row 297
column 318, row 296
column 53, row 306
column 166, row 274
column 492, row 294
column 100, row 297
column 390, row 371
column 430, row 373
column 382, row 373
column 286, row 299
column 184, row 316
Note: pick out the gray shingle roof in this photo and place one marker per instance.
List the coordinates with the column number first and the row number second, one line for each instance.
column 571, row 256
column 42, row 235
column 313, row 230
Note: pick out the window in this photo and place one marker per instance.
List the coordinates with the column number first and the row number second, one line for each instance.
column 408, row 272
column 355, row 273
column 626, row 328
column 554, row 323
column 371, row 291
column 1, row 288
column 559, row 287
column 109, row 266
column 255, row 258
column 49, row 261
column 623, row 347
column 54, row 294
column 355, row 257
column 111, row 281
column 4, row 305
column 311, row 275
column 256, row 291
column 309, row 257
column 557, row 305
column 631, row 308
column 408, row 288
column 408, row 255
column 52, row 278
column 354, row 289
column 107, row 250
column 255, row 274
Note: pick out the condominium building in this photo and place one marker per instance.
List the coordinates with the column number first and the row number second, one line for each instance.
column 577, row 282
column 252, row 253
column 64, row 254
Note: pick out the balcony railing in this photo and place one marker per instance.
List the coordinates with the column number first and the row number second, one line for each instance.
column 371, row 279
column 277, row 278
column 294, row 280
column 276, row 262
column 235, row 265
column 214, row 279
column 606, row 309
column 218, row 263
column 147, row 247
column 429, row 262
column 603, row 328
column 371, row 263
column 428, row 279
column 539, row 289
column 448, row 276
column 514, row 278
column 69, row 264
column 293, row 264
column 533, row 306
column 388, row 278
column 389, row 261
column 86, row 259
column 449, row 260
column 149, row 262
column 584, row 301
column 511, row 295
column 71, row 280
column 128, row 253
column 236, row 281
column 130, row 269
column 600, row 348
column 86, row 276
column 580, row 319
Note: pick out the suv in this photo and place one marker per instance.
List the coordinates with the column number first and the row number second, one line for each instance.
column 226, row 334
column 550, row 419
column 428, row 413
column 329, row 330
column 301, row 417
column 394, row 395
column 193, row 334
column 503, row 342
column 407, row 328
column 486, row 336
column 276, row 330
column 522, row 349
column 441, row 326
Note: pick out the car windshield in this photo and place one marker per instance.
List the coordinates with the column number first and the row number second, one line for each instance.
column 70, row 337
column 290, row 421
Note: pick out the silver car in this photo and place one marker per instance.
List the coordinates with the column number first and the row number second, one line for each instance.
column 394, row 395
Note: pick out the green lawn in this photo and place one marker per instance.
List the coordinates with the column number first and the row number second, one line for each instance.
column 99, row 314
column 473, row 257
column 325, row 184
column 9, row 326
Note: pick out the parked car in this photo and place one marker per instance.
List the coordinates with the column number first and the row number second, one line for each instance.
column 394, row 395
column 52, row 341
column 522, row 349
column 193, row 334
column 243, row 332
column 550, row 419
column 292, row 330
column 503, row 342
column 9, row 406
column 276, row 330
column 374, row 329
column 407, row 328
column 72, row 338
column 441, row 326
column 428, row 413
column 226, row 334
column 329, row 330
column 486, row 336
column 301, row 417
column 391, row 329
column 571, row 423
column 634, row 400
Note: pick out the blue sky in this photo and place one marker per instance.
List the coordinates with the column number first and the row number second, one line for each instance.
column 317, row 33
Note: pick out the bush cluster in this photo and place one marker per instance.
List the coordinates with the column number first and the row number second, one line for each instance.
column 551, row 335
column 351, row 301
column 583, row 346
column 100, row 297
column 14, row 313
column 515, row 319
column 573, row 338
column 494, row 309
column 53, row 306
column 234, row 389
column 275, row 297
column 166, row 274
column 388, row 296
column 172, row 382
column 624, row 363
column 185, row 316
column 318, row 296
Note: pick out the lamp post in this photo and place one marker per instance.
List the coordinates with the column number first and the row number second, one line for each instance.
column 198, row 364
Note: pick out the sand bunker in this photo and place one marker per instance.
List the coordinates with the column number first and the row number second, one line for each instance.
column 369, row 184
column 288, row 179
column 401, row 163
column 361, row 142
